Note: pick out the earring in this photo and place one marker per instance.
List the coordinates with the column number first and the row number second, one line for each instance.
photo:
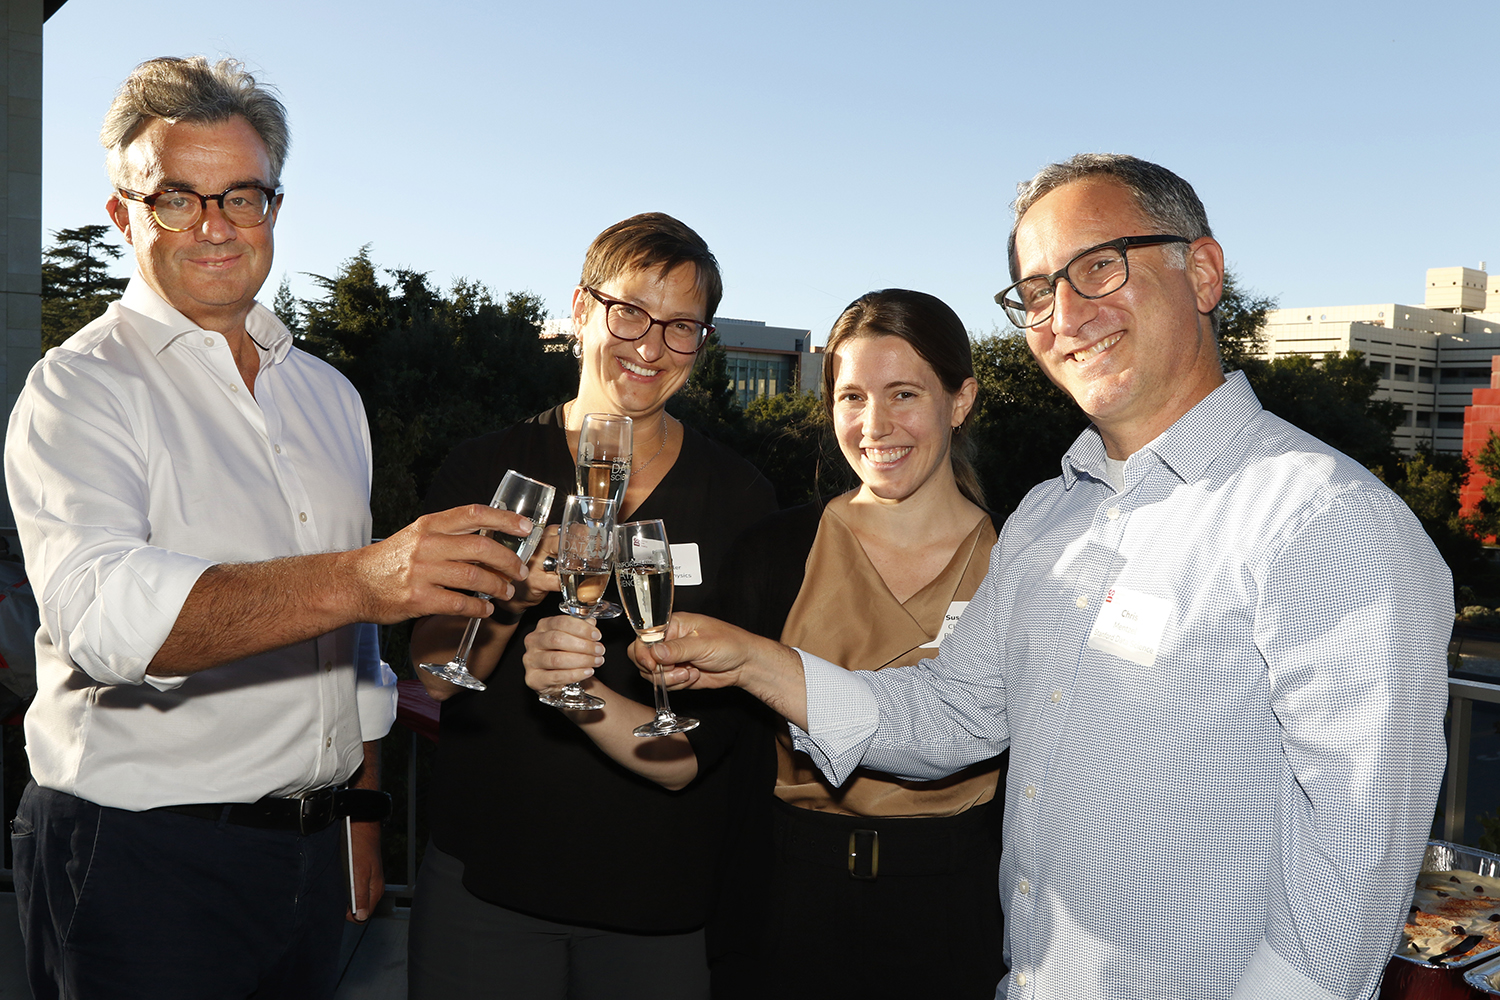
column 577, row 348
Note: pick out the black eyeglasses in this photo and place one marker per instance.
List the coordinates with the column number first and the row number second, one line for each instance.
column 631, row 322
column 179, row 209
column 1093, row 273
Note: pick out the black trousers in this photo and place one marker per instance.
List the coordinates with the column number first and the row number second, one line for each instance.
column 157, row 905
column 460, row 947
column 924, row 921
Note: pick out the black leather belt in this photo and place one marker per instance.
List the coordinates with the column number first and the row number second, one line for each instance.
column 307, row 814
column 878, row 847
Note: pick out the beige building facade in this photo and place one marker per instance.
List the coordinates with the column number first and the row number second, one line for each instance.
column 1430, row 357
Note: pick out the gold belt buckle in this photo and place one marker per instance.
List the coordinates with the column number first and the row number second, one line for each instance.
column 870, row 840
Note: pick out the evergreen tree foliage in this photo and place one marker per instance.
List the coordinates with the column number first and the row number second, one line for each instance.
column 433, row 369
column 1430, row 485
column 1242, row 317
column 76, row 283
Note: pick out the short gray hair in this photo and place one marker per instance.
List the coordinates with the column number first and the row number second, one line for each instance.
column 190, row 90
column 1168, row 202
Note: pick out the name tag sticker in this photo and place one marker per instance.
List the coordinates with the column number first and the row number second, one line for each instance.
column 1130, row 625
column 687, row 568
column 950, row 619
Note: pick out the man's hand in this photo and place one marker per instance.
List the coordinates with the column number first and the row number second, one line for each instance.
column 703, row 652
column 538, row 582
column 425, row 568
column 369, row 872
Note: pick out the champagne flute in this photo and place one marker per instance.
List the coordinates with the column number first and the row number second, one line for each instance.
column 530, row 499
column 604, row 450
column 643, row 568
column 585, row 556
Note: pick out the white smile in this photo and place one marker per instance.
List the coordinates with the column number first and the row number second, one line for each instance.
column 637, row 369
column 885, row 456
column 1099, row 348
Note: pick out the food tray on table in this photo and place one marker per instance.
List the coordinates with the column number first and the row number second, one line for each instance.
column 1454, row 920
column 1485, row 978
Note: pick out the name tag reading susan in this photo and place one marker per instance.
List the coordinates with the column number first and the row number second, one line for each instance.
column 1130, row 625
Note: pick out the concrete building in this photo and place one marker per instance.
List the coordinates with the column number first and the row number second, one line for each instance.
column 766, row 360
column 1430, row 357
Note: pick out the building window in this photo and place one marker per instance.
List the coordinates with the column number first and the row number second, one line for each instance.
column 756, row 375
column 1383, row 368
column 1463, row 375
column 1409, row 419
column 1424, row 418
column 1424, row 375
column 1451, row 420
column 1403, row 373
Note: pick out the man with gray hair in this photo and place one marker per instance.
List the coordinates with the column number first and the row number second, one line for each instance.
column 1214, row 645
column 192, row 495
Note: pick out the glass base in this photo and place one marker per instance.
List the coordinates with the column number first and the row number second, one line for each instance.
column 571, row 698
column 666, row 725
column 606, row 609
column 454, row 673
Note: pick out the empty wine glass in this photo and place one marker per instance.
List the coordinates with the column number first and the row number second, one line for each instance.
column 585, row 556
column 530, row 499
column 604, row 450
column 643, row 568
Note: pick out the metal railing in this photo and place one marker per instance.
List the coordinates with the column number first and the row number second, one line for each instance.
column 1462, row 694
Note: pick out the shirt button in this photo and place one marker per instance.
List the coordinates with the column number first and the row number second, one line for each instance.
column 233, row 387
column 327, row 666
column 1056, row 697
column 208, row 341
column 1023, row 887
column 1031, row 791
column 1082, row 601
column 302, row 516
column 328, row 743
column 1114, row 513
column 278, row 448
column 1020, row 979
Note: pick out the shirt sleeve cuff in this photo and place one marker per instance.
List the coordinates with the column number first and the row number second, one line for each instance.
column 842, row 716
column 1271, row 977
column 131, row 615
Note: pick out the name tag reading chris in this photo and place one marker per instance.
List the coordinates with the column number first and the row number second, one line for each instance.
column 687, row 569
column 1130, row 625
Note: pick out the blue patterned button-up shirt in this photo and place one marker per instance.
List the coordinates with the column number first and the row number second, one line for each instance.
column 1223, row 688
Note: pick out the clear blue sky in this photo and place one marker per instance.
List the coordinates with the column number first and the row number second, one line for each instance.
column 825, row 149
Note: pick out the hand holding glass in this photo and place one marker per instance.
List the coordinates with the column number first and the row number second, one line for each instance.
column 643, row 569
column 585, row 556
column 532, row 500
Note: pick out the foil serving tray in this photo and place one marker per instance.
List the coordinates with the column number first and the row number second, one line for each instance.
column 1442, row 856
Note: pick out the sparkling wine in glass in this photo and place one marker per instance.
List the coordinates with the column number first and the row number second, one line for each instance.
column 530, row 499
column 604, row 455
column 585, row 556
column 643, row 569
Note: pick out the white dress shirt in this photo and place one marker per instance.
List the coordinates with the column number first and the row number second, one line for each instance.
column 136, row 459
column 1223, row 687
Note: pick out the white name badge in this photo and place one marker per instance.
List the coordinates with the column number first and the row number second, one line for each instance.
column 1130, row 625
column 950, row 619
column 687, row 569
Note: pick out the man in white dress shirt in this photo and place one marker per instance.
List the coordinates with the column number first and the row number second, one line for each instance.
column 192, row 495
column 1214, row 645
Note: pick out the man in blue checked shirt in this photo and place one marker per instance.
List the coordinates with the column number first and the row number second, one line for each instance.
column 1214, row 645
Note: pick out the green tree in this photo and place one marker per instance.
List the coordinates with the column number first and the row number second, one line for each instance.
column 76, row 284
column 285, row 306
column 1333, row 400
column 1242, row 318
column 1430, row 485
column 788, row 437
column 707, row 401
column 433, row 369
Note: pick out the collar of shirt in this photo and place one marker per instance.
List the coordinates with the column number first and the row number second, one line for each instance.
column 159, row 324
column 1188, row 447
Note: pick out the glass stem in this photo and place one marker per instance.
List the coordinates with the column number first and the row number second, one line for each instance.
column 467, row 643
column 659, row 687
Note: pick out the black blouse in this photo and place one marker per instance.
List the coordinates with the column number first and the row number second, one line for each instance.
column 546, row 823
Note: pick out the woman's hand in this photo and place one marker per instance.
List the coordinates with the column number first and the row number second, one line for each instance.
column 562, row 650
column 538, row 583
